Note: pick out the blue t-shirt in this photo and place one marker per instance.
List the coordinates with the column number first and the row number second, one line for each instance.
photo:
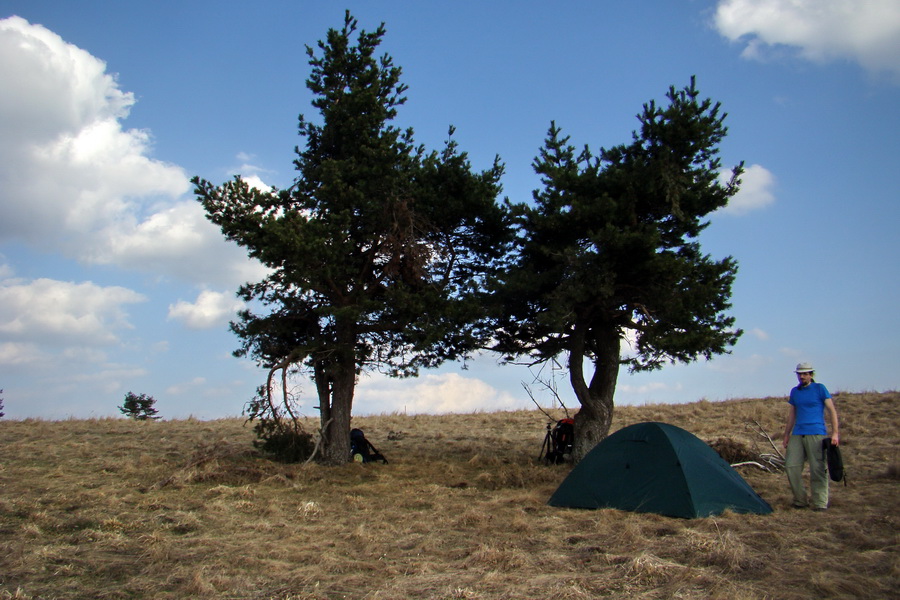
column 809, row 405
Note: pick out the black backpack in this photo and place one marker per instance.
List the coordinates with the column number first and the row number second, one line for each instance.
column 362, row 450
column 558, row 442
column 832, row 456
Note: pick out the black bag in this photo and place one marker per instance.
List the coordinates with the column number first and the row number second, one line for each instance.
column 832, row 456
column 362, row 450
column 558, row 442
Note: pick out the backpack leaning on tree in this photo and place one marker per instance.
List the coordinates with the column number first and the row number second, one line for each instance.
column 558, row 442
column 362, row 450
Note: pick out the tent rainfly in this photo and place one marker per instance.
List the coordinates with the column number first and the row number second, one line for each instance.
column 657, row 468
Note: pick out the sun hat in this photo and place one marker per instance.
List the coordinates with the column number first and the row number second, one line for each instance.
column 804, row 367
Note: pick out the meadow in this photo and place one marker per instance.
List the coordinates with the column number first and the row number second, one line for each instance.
column 113, row 508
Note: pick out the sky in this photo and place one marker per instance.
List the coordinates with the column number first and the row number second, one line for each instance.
column 112, row 281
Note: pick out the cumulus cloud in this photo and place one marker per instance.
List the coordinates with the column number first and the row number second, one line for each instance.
column 67, row 164
column 77, row 181
column 62, row 313
column 865, row 31
column 20, row 353
column 755, row 193
column 211, row 309
column 432, row 394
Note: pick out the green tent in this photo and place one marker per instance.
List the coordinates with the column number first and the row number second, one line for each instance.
column 658, row 468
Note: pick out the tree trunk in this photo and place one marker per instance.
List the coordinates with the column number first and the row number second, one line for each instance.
column 341, row 377
column 336, row 442
column 593, row 420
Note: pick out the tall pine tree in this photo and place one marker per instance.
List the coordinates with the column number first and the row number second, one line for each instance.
column 378, row 251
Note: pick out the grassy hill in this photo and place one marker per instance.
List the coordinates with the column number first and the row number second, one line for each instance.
column 113, row 508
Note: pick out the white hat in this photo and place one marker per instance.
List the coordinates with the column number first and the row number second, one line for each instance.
column 804, row 367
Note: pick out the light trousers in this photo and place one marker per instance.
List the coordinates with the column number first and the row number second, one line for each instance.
column 807, row 448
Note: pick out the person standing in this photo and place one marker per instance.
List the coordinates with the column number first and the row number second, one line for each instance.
column 803, row 434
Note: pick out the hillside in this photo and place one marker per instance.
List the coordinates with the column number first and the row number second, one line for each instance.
column 185, row 509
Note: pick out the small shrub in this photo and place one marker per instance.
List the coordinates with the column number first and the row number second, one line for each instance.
column 139, row 407
column 279, row 434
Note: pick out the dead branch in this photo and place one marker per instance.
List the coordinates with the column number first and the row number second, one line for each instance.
column 752, row 463
column 550, row 385
column 318, row 442
column 771, row 443
column 530, row 395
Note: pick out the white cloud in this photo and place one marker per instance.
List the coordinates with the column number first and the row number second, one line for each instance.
column 755, row 192
column 648, row 388
column 67, row 164
column 186, row 386
column 76, row 181
column 177, row 240
column 110, row 379
column 759, row 334
column 256, row 183
column 209, row 310
column 866, row 31
column 20, row 353
column 431, row 394
column 247, row 168
column 62, row 313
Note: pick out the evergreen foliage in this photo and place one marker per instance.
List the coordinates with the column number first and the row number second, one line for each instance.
column 610, row 248
column 377, row 253
column 139, row 407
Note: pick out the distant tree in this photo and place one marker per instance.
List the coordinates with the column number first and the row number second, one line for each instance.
column 139, row 407
column 610, row 248
column 378, row 251
column 2, row 414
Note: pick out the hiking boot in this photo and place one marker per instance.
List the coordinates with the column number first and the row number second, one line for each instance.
column 798, row 505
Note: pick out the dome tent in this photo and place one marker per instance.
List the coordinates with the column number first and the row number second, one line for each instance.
column 658, row 468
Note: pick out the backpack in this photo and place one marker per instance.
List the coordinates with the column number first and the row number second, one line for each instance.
column 832, row 456
column 558, row 442
column 362, row 450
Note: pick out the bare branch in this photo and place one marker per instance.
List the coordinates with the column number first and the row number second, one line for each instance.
column 530, row 395
column 318, row 442
column 763, row 433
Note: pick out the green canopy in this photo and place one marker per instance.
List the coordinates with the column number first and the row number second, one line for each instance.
column 658, row 468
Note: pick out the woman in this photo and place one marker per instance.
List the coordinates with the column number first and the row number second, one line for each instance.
column 803, row 435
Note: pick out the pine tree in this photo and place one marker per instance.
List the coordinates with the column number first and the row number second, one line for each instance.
column 139, row 407
column 610, row 247
column 377, row 251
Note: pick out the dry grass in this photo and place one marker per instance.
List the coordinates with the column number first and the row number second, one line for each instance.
column 184, row 509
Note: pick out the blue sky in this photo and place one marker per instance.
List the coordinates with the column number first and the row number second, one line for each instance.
column 112, row 281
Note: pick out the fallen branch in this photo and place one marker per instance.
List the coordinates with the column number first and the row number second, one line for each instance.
column 750, row 463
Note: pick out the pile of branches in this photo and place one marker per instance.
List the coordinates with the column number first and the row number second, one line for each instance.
column 739, row 455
